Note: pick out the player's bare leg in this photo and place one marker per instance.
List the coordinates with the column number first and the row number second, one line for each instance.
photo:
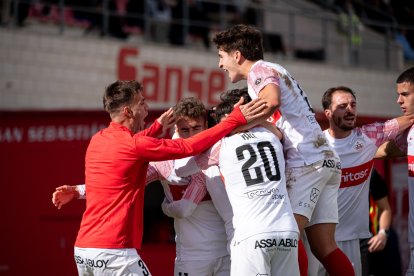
column 321, row 238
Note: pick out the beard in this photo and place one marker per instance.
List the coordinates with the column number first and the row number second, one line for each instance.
column 339, row 122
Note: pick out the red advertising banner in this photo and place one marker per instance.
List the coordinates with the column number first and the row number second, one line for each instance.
column 38, row 152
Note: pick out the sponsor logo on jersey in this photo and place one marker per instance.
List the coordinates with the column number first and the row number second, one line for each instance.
column 247, row 135
column 311, row 119
column 410, row 165
column 314, row 195
column 356, row 175
column 331, row 163
column 90, row 262
column 265, row 192
column 266, row 243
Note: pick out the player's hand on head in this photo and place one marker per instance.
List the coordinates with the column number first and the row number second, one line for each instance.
column 252, row 110
column 63, row 195
column 167, row 120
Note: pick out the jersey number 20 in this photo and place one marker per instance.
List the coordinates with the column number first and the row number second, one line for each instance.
column 261, row 148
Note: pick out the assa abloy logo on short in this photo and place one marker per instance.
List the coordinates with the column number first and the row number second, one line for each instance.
column 266, row 243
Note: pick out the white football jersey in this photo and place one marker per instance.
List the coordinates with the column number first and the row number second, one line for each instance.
column 253, row 168
column 200, row 231
column 304, row 142
column 356, row 153
column 217, row 191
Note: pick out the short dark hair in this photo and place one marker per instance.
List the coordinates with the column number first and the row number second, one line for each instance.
column 244, row 38
column 406, row 76
column 190, row 107
column 228, row 100
column 119, row 94
column 327, row 96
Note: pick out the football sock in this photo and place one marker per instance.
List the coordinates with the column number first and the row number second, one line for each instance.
column 303, row 259
column 338, row 264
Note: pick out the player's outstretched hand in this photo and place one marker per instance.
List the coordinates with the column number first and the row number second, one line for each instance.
column 167, row 120
column 252, row 110
column 63, row 195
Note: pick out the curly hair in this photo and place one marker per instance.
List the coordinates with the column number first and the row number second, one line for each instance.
column 244, row 38
column 228, row 100
column 191, row 108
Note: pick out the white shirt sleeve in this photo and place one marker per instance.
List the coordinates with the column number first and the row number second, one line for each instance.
column 191, row 165
column 178, row 209
column 186, row 166
column 193, row 194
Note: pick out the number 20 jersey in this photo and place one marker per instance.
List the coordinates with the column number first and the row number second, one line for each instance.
column 253, row 168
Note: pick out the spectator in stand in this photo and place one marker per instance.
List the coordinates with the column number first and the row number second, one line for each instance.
column 350, row 26
column 135, row 14
column 160, row 12
column 404, row 14
column 401, row 38
column 199, row 22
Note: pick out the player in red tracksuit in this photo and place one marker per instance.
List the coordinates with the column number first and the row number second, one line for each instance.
column 115, row 167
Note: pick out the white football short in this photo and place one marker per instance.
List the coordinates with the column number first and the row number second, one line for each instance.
column 101, row 261
column 274, row 253
column 313, row 190
column 218, row 267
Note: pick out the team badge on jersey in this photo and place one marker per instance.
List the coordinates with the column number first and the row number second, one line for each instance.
column 358, row 145
column 258, row 81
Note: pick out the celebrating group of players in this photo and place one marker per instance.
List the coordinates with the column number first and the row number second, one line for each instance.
column 264, row 192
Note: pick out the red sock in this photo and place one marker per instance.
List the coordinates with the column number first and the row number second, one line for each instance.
column 338, row 264
column 303, row 259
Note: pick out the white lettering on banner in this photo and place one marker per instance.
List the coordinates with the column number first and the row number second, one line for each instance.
column 354, row 176
column 62, row 133
column 48, row 133
column 357, row 175
column 11, row 135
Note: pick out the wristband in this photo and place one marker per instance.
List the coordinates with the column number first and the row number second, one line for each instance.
column 384, row 232
column 81, row 189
